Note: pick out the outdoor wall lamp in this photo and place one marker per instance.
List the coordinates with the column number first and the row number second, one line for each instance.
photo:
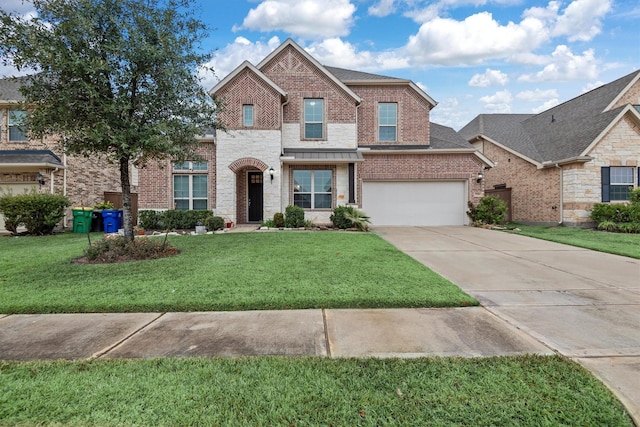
column 272, row 172
column 40, row 179
column 480, row 177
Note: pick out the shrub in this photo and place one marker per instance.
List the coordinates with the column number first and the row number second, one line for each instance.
column 117, row 249
column 278, row 220
column 348, row 216
column 39, row 213
column 629, row 227
column 103, row 205
column 608, row 226
column 294, row 217
column 149, row 220
column 214, row 223
column 610, row 212
column 490, row 210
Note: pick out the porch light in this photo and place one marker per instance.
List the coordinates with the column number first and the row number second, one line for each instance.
column 480, row 177
column 40, row 179
column 272, row 172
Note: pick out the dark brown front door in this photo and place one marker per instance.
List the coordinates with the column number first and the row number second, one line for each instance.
column 255, row 196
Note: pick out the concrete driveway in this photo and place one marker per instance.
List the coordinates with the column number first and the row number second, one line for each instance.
column 580, row 303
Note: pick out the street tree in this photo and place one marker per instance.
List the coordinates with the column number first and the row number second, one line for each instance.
column 117, row 79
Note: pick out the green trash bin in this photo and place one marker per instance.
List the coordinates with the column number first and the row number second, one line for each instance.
column 82, row 219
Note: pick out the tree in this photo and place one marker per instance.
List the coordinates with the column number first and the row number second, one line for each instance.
column 113, row 78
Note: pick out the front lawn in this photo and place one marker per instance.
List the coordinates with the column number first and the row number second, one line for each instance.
column 613, row 243
column 235, row 271
column 501, row 391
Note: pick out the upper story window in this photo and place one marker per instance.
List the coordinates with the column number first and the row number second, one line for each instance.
column 190, row 166
column 617, row 182
column 388, row 121
column 17, row 132
column 313, row 118
column 247, row 115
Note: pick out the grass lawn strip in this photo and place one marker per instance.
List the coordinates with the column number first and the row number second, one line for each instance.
column 239, row 271
column 613, row 243
column 523, row 391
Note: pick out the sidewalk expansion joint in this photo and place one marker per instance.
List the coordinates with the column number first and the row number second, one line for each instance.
column 106, row 350
column 326, row 332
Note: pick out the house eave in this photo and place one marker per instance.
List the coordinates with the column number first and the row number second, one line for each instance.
column 567, row 161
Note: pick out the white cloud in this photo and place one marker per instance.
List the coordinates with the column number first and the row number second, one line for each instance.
column 565, row 65
column 382, row 8
column 500, row 102
column 308, row 18
column 582, row 19
column 227, row 59
column 477, row 38
column 537, row 95
column 339, row 53
column 490, row 77
column 17, row 6
column 544, row 107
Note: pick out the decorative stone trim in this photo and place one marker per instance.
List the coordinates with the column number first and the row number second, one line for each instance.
column 245, row 162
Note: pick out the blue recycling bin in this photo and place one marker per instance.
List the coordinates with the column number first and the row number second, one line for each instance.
column 112, row 219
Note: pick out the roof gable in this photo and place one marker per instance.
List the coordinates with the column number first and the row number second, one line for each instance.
column 290, row 44
column 246, row 65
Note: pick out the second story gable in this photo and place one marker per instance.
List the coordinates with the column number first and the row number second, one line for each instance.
column 322, row 107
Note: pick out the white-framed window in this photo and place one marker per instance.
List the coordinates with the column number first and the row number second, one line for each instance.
column 247, row 115
column 190, row 190
column 312, row 189
column 388, row 121
column 313, row 118
column 17, row 132
column 621, row 182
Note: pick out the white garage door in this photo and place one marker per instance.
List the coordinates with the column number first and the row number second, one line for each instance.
column 415, row 203
column 13, row 188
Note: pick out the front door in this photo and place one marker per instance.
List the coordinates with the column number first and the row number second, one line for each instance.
column 255, row 196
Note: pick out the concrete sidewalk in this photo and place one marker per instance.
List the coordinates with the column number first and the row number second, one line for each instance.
column 471, row 331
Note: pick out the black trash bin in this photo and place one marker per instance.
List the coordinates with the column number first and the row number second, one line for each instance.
column 97, row 223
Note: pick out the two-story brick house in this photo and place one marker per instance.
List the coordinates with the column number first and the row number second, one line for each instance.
column 560, row 162
column 40, row 164
column 300, row 133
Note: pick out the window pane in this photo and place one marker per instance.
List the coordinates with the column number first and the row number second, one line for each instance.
column 184, row 166
column 313, row 130
column 322, row 182
column 17, row 132
column 619, row 192
column 387, row 133
column 622, row 175
column 248, row 115
column 199, row 166
column 200, row 186
column 322, row 201
column 302, row 200
column 302, row 181
column 200, row 204
column 181, row 187
column 182, row 205
column 16, row 117
column 387, row 114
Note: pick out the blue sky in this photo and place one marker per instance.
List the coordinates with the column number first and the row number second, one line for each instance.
column 471, row 56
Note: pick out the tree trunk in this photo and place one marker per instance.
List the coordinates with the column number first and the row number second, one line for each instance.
column 127, row 217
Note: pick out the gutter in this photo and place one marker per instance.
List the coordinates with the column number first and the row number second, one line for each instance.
column 576, row 159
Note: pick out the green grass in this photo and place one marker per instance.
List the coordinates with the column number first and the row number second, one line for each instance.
column 235, row 271
column 501, row 391
column 602, row 241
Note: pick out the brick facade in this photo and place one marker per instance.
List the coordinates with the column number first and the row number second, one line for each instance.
column 535, row 194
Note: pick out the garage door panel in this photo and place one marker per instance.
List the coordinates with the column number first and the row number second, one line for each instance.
column 414, row 203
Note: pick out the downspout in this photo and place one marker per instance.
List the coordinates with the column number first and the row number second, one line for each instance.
column 561, row 209
column 53, row 172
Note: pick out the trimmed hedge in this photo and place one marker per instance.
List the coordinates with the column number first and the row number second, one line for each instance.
column 38, row 213
column 173, row 219
column 490, row 210
column 618, row 217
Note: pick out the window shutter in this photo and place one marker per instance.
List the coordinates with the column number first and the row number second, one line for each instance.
column 606, row 184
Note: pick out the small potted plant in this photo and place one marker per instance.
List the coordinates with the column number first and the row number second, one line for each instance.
column 138, row 230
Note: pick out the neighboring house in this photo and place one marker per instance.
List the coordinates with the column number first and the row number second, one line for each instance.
column 300, row 133
column 559, row 163
column 41, row 165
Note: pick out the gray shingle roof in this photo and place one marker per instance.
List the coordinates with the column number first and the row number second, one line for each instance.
column 31, row 157
column 351, row 76
column 443, row 137
column 562, row 132
column 10, row 89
